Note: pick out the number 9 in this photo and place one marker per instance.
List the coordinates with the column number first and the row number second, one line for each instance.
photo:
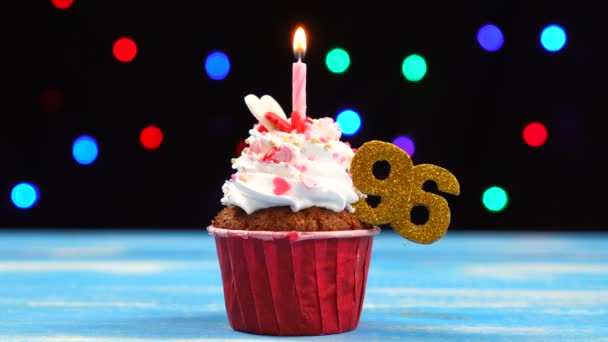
column 394, row 190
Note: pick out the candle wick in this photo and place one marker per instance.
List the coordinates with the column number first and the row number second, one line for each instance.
column 299, row 55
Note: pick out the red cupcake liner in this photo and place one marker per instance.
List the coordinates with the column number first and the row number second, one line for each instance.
column 294, row 283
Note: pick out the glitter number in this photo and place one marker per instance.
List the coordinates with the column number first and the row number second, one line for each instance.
column 401, row 191
column 438, row 210
column 394, row 189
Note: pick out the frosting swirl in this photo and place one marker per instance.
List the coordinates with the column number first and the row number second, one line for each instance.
column 299, row 170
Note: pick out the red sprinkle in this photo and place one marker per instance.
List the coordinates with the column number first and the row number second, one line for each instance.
column 280, row 123
column 261, row 128
column 270, row 155
column 280, row 186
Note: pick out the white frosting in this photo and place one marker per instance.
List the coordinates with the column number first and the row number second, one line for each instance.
column 299, row 170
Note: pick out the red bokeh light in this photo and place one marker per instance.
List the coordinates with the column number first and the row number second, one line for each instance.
column 151, row 137
column 240, row 146
column 62, row 4
column 535, row 134
column 51, row 100
column 124, row 49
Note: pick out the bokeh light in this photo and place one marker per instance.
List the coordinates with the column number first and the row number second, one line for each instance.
column 553, row 38
column 124, row 49
column 348, row 121
column 405, row 143
column 24, row 195
column 337, row 61
column 241, row 146
column 151, row 137
column 413, row 68
column 51, row 100
column 495, row 198
column 535, row 134
column 217, row 65
column 85, row 150
column 490, row 37
column 62, row 4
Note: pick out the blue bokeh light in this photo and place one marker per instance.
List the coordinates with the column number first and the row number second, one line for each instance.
column 85, row 150
column 348, row 121
column 490, row 37
column 217, row 65
column 24, row 195
column 553, row 38
column 405, row 143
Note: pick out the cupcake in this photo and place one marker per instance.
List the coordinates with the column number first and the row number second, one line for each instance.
column 293, row 256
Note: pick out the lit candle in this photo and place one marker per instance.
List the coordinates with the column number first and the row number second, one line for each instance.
column 299, row 73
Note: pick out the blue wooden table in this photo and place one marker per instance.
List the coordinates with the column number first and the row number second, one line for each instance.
column 166, row 286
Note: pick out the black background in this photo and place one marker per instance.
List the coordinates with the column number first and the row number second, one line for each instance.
column 466, row 115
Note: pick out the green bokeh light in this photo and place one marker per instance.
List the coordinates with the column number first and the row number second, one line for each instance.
column 337, row 60
column 413, row 68
column 495, row 198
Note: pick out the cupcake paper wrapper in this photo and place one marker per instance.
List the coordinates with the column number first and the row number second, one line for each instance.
column 293, row 283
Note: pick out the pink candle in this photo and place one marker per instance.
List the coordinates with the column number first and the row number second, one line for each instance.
column 299, row 73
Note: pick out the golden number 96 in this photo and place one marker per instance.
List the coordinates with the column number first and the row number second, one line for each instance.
column 401, row 191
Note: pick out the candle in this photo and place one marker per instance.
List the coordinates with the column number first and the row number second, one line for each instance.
column 299, row 73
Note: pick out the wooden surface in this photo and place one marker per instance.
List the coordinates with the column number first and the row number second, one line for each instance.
column 166, row 286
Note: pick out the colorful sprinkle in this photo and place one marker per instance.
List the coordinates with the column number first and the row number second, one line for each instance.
column 261, row 128
column 269, row 155
column 281, row 186
column 256, row 146
column 308, row 181
column 284, row 154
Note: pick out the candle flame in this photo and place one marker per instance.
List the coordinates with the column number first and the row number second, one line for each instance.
column 299, row 43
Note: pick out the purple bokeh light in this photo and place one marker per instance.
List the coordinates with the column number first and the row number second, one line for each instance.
column 490, row 37
column 405, row 143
